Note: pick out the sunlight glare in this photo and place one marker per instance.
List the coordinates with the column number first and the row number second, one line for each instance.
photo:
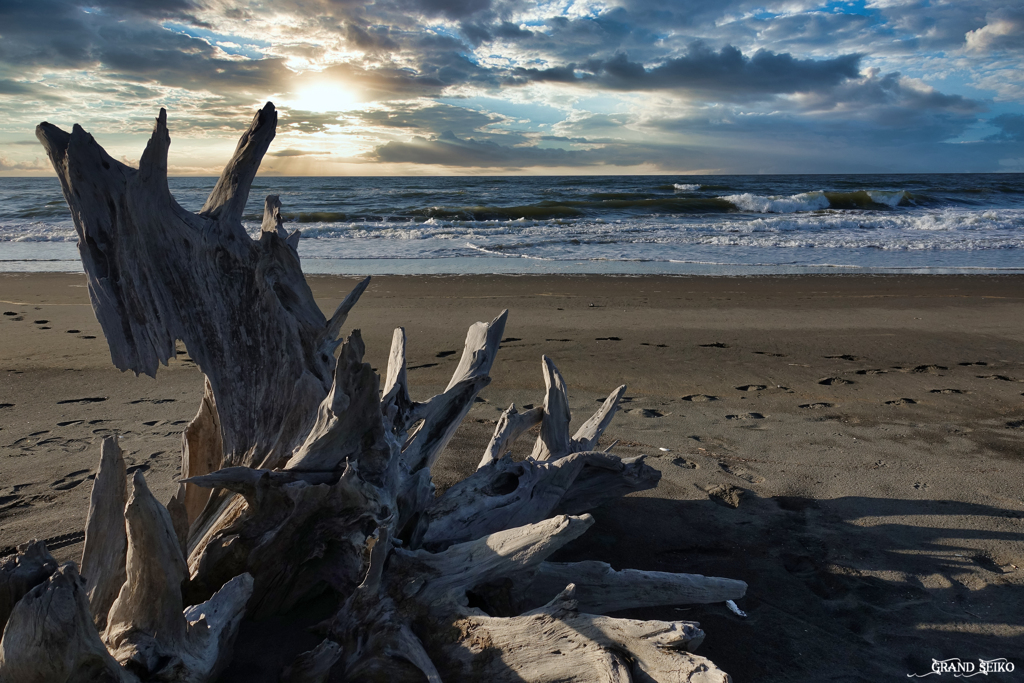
column 324, row 97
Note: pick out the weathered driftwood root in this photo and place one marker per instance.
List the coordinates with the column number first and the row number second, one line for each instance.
column 304, row 477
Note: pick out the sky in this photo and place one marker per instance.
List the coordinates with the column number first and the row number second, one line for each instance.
column 447, row 87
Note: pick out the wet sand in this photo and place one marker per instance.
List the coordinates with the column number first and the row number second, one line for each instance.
column 850, row 446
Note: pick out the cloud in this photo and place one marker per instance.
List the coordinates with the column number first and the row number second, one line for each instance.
column 726, row 73
column 1004, row 30
column 1012, row 126
column 296, row 153
column 7, row 165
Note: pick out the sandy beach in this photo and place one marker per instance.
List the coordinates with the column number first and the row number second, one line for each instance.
column 850, row 446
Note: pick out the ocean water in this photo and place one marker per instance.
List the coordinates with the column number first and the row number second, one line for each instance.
column 942, row 223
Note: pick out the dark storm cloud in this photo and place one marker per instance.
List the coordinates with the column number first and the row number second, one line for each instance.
column 449, row 150
column 1012, row 126
column 725, row 73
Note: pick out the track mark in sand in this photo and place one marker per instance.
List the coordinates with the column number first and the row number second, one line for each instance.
column 69, row 423
column 87, row 336
column 444, row 354
column 141, row 468
column 773, row 355
column 152, row 400
column 740, row 472
column 153, row 423
column 510, row 339
column 685, row 464
column 558, row 340
column 6, row 405
column 715, row 345
column 69, row 481
column 700, row 398
column 834, row 381
column 817, row 406
column 87, row 399
column 724, row 494
column 845, row 356
column 872, row 371
column 901, row 402
column 752, row 387
column 976, row 362
column 949, row 391
column 10, row 313
column 96, row 422
column 73, row 331
column 424, row 365
column 64, row 540
column 920, row 485
column 607, row 339
column 1002, row 378
column 929, row 368
column 40, row 322
column 646, row 412
column 747, row 416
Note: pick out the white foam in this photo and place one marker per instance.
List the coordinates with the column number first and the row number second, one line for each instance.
column 886, row 197
column 684, row 187
column 805, row 201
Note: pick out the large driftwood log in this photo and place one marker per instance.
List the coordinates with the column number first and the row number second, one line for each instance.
column 303, row 477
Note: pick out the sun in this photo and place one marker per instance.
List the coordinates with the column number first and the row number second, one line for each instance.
column 324, row 96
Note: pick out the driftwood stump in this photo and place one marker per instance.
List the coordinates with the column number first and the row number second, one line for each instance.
column 303, row 477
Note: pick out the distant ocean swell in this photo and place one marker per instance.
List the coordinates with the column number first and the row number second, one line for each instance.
column 887, row 222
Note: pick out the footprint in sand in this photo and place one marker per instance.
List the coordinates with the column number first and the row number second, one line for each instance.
column 10, row 313
column 444, row 354
column 977, row 362
column 817, row 406
column 421, row 366
column 40, row 322
column 510, row 339
column 1015, row 424
column 873, row 371
column 153, row 400
column 949, row 391
column 1002, row 378
column 700, row 398
column 901, row 402
column 724, row 494
column 607, row 339
column 748, row 416
column 69, row 423
column 752, row 387
column 845, row 356
column 685, row 464
column 73, row 331
column 834, row 381
column 773, row 355
column 69, row 481
column 646, row 412
column 716, row 345
column 6, row 405
column 740, row 472
column 558, row 340
column 87, row 399
column 933, row 369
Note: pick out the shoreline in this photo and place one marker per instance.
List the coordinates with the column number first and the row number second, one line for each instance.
column 847, row 444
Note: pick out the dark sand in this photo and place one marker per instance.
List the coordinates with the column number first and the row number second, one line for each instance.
column 859, row 466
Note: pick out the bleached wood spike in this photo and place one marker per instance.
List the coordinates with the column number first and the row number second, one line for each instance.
column 106, row 544
column 344, row 308
column 553, row 441
column 444, row 577
column 227, row 200
column 600, row 589
column 482, row 342
column 273, row 221
column 145, row 625
column 51, row 637
column 202, row 451
column 587, row 436
column 511, row 425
